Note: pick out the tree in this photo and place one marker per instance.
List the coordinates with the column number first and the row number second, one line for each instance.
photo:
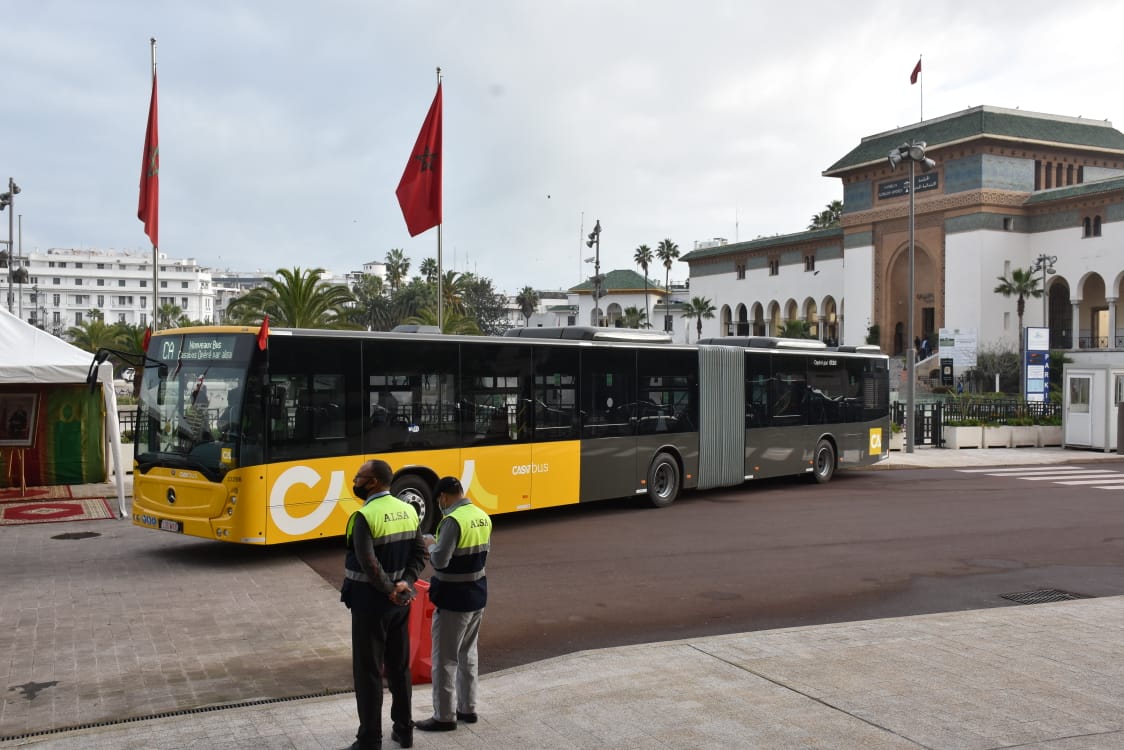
column 397, row 268
column 795, row 329
column 643, row 257
column 1022, row 284
column 483, row 304
column 295, row 298
column 699, row 308
column 667, row 251
column 528, row 301
column 428, row 269
column 634, row 317
column 93, row 334
column 452, row 321
column 169, row 315
column 829, row 217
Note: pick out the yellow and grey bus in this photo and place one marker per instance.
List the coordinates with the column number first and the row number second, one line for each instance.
column 255, row 440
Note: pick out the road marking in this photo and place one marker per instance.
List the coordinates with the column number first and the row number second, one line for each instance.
column 1005, row 470
column 1104, row 475
column 1091, row 481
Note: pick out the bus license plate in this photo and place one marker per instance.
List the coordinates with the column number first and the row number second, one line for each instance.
column 168, row 525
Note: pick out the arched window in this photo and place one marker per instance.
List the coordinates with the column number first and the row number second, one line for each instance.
column 1088, row 228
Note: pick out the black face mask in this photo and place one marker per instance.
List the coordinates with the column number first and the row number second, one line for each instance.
column 360, row 490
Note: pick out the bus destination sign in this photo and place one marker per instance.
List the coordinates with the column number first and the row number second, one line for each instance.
column 200, row 348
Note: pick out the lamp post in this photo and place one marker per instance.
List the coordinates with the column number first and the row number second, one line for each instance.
column 1045, row 264
column 594, row 241
column 7, row 200
column 914, row 153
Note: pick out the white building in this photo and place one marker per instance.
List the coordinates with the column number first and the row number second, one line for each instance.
column 64, row 285
column 1010, row 190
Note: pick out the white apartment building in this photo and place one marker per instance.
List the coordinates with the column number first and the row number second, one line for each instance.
column 64, row 285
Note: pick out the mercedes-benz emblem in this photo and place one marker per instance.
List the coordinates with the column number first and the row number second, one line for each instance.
column 171, row 496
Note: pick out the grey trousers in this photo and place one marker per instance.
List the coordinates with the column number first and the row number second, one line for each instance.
column 455, row 635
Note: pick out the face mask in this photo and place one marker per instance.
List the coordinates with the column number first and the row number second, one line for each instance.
column 359, row 490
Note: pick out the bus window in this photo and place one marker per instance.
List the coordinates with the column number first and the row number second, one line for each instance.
column 313, row 393
column 789, row 390
column 608, row 392
column 757, row 378
column 827, row 389
column 495, row 388
column 410, row 399
column 556, row 394
column 667, row 397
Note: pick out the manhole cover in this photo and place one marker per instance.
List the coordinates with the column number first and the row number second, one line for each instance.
column 1041, row 596
column 77, row 535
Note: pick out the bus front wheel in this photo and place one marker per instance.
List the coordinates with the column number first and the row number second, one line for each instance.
column 823, row 462
column 663, row 481
column 415, row 491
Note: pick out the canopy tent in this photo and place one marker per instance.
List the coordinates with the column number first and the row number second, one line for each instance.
column 31, row 357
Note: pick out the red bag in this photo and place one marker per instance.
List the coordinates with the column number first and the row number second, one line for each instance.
column 421, row 639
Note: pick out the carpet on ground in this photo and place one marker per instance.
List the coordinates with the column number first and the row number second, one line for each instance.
column 15, row 495
column 51, row 511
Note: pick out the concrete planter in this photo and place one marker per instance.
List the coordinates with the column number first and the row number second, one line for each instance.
column 996, row 436
column 1024, row 436
column 962, row 437
column 1049, row 434
column 897, row 441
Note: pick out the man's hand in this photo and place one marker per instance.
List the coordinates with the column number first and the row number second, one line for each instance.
column 402, row 595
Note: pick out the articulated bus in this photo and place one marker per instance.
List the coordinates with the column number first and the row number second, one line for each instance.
column 255, row 440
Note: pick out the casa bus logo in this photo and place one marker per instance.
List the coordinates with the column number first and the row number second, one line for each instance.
column 519, row 470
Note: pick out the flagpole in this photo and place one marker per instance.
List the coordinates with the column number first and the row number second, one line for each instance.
column 440, row 271
column 921, row 91
column 155, row 252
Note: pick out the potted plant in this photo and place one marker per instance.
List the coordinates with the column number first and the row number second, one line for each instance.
column 897, row 437
column 996, row 435
column 1049, row 431
column 1024, row 433
column 963, row 433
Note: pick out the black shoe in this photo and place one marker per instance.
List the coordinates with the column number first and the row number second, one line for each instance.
column 404, row 736
column 435, row 725
column 467, row 718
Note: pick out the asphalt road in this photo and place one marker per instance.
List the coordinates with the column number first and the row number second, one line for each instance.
column 785, row 553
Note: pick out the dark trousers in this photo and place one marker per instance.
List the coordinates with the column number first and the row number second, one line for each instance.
column 380, row 643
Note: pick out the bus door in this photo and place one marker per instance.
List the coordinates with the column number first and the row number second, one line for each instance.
column 555, row 448
column 608, row 431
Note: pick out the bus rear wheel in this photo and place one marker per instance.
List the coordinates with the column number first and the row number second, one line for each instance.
column 414, row 490
column 823, row 462
column 663, row 480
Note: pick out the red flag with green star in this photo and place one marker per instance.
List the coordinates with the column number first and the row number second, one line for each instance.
column 419, row 190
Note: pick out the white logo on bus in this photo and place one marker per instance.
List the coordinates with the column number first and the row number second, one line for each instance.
column 302, row 475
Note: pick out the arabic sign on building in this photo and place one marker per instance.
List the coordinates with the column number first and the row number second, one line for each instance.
column 901, row 187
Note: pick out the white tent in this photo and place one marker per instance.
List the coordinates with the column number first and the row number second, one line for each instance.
column 29, row 355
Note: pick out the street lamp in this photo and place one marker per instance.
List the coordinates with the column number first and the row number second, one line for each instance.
column 594, row 241
column 914, row 153
column 7, row 200
column 1045, row 264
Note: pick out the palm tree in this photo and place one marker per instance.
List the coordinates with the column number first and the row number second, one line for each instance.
column 452, row 322
column 295, row 298
column 643, row 257
column 1022, row 284
column 169, row 315
column 634, row 317
column 94, row 334
column 829, row 217
column 795, row 329
column 528, row 301
column 397, row 268
column 453, row 286
column 667, row 251
column 428, row 269
column 699, row 308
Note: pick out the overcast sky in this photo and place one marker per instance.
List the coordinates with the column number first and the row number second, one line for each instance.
column 285, row 126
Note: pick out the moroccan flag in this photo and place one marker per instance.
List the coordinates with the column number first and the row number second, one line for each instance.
column 147, row 338
column 263, row 333
column 916, row 72
column 419, row 190
column 148, row 209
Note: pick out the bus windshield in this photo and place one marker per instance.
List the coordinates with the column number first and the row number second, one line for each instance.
column 191, row 409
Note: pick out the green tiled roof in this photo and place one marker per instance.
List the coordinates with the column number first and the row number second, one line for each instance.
column 780, row 239
column 984, row 121
column 620, row 281
column 1076, row 191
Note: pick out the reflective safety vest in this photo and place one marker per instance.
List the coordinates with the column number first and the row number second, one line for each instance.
column 462, row 585
column 394, row 528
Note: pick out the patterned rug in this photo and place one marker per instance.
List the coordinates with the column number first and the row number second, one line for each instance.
column 51, row 511
column 13, row 494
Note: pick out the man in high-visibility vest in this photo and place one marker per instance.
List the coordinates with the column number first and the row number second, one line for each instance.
column 459, row 591
column 385, row 556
